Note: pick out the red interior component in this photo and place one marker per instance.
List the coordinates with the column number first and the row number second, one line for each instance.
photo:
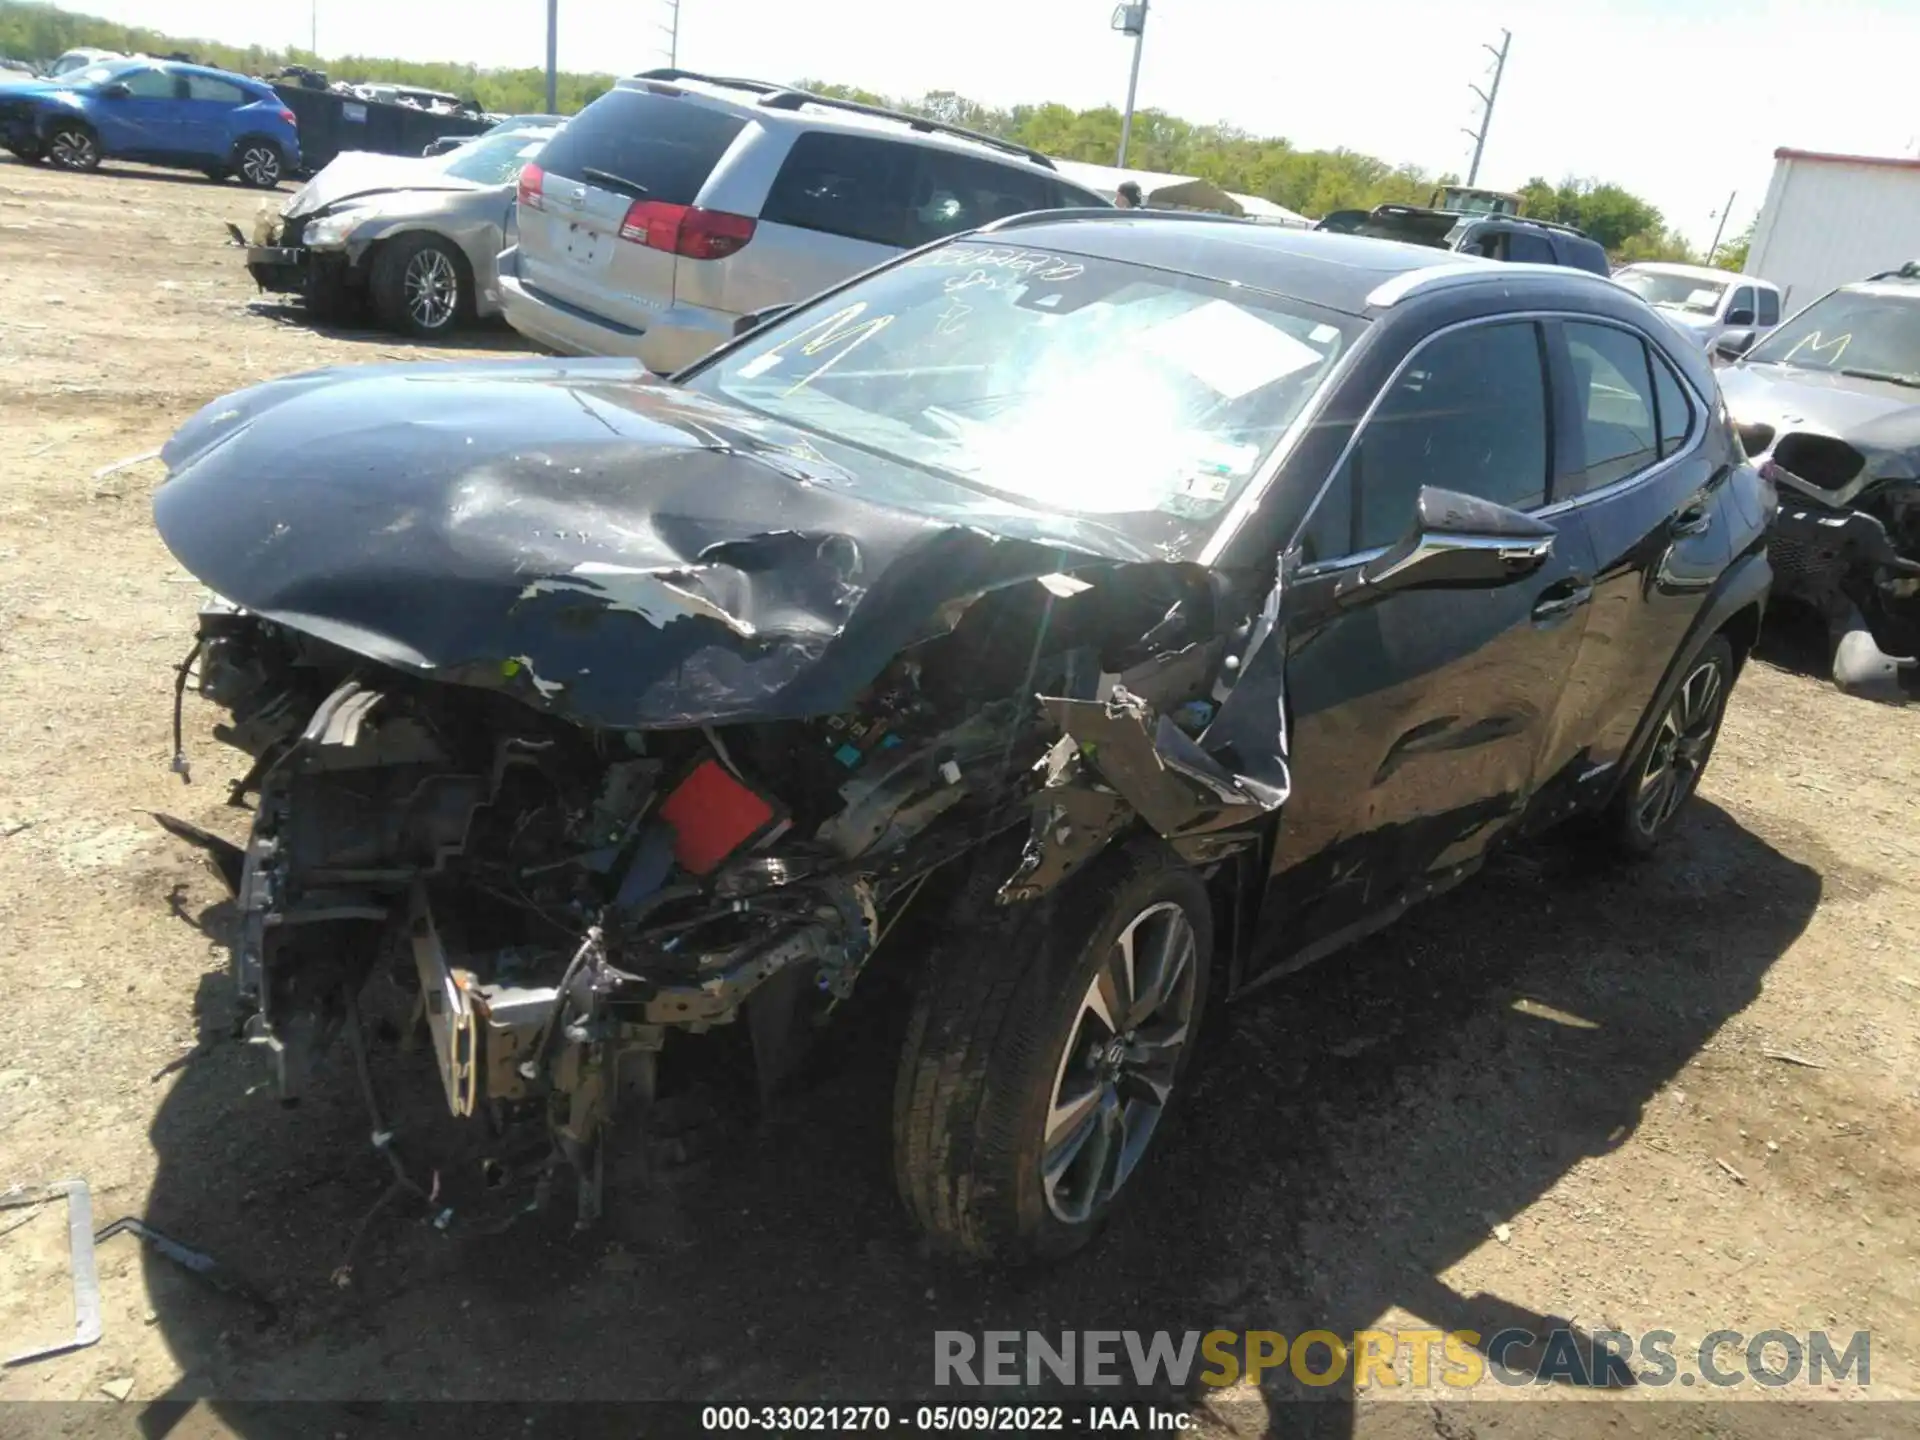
column 712, row 815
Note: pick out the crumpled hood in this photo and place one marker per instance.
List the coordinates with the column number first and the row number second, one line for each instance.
column 362, row 172
column 1878, row 418
column 608, row 547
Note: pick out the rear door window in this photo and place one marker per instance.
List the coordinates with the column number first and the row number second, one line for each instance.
column 662, row 145
column 1769, row 307
column 958, row 192
column 205, row 87
column 1676, row 410
column 858, row 186
column 1613, row 393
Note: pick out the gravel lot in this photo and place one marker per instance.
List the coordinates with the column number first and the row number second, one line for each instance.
column 1412, row 1134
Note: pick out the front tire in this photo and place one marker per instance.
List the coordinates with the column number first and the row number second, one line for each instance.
column 1667, row 768
column 1046, row 1047
column 420, row 287
column 73, row 146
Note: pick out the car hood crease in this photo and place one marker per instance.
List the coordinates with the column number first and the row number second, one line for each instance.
column 620, row 552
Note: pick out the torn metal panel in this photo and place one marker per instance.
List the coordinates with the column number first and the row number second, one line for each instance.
column 615, row 552
column 1177, row 787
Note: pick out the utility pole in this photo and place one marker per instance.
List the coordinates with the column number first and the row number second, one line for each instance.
column 313, row 31
column 1487, row 97
column 1130, row 19
column 1721, row 228
column 672, row 27
column 553, row 57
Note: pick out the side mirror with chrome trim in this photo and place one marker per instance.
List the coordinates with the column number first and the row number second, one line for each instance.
column 1455, row 542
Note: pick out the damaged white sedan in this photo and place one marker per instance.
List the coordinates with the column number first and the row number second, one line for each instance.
column 1165, row 600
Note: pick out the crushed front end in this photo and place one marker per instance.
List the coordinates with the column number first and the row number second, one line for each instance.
column 548, row 724
column 1845, row 542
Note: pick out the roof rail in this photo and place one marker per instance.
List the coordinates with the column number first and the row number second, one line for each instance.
column 786, row 97
column 1452, row 273
column 1102, row 212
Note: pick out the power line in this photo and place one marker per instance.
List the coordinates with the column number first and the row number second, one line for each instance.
column 1487, row 97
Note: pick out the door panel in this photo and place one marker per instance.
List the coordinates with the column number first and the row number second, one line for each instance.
column 1419, row 721
column 149, row 121
column 1418, row 727
column 1650, row 508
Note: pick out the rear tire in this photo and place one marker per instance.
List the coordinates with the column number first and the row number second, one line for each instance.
column 73, row 146
column 1667, row 767
column 1020, row 1115
column 259, row 164
column 420, row 286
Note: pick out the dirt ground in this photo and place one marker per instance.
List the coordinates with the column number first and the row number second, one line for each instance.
column 1681, row 1096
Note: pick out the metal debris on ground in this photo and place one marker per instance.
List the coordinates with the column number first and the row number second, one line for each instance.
column 1788, row 1057
column 86, row 1277
column 203, row 1265
column 81, row 1242
column 1738, row 1178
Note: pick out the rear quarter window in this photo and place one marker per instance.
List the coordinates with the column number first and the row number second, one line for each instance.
column 666, row 144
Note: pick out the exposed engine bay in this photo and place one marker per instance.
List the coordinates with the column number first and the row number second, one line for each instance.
column 1846, row 542
column 562, row 898
column 595, row 714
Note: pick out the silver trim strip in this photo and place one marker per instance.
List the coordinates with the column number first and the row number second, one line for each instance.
column 1391, row 292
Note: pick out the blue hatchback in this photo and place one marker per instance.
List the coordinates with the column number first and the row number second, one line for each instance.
column 188, row 117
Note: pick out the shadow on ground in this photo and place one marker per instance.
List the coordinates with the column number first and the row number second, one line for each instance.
column 1795, row 639
column 1359, row 1128
column 492, row 334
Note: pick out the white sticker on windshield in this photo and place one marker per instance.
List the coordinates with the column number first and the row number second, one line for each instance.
column 1323, row 334
column 1228, row 349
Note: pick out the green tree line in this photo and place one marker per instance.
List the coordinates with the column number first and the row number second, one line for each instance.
column 1312, row 182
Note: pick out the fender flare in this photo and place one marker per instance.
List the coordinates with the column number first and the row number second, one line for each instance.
column 1743, row 586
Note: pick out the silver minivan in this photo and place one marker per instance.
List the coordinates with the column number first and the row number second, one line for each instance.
column 677, row 202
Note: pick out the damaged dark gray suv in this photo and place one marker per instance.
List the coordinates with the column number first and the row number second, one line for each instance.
column 1155, row 603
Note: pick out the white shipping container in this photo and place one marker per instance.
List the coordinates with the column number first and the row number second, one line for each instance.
column 1828, row 219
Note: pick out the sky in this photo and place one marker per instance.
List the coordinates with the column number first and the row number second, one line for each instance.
column 1682, row 102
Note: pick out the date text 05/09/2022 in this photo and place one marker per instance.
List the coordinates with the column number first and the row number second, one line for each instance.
column 936, row 1419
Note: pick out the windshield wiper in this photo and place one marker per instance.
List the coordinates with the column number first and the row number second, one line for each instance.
column 607, row 180
column 1892, row 377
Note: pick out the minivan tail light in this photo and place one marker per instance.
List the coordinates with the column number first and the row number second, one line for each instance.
column 532, row 182
column 686, row 229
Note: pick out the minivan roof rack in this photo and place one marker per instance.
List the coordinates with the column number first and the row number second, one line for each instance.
column 786, row 97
